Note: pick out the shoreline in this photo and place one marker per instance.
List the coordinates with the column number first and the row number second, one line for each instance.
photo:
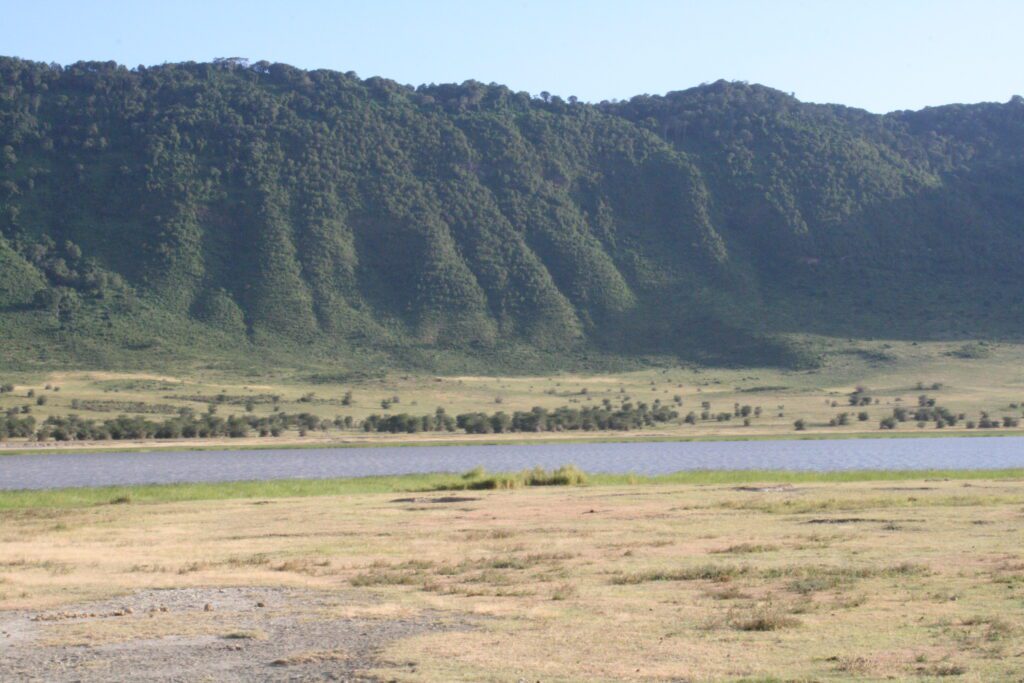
column 512, row 439
column 441, row 482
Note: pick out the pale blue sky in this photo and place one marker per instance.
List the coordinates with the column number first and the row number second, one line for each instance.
column 879, row 55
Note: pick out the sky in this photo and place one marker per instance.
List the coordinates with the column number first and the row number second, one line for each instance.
column 877, row 55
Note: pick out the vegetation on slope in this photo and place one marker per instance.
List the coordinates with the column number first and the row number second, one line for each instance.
column 228, row 209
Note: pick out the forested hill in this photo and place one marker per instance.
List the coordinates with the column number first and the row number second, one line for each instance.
column 229, row 208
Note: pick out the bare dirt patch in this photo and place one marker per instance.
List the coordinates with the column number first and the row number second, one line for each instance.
column 223, row 634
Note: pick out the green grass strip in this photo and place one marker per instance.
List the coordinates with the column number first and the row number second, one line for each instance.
column 288, row 488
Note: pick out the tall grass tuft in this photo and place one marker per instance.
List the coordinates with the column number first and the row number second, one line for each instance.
column 477, row 479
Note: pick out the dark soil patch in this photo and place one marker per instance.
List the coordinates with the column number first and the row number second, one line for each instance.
column 846, row 520
column 906, row 488
column 781, row 488
column 441, row 499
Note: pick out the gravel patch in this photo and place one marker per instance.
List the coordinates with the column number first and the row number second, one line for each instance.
column 215, row 634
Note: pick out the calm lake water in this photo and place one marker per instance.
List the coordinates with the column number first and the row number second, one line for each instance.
column 100, row 469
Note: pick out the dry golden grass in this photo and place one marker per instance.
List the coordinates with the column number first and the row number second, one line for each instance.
column 993, row 384
column 814, row 582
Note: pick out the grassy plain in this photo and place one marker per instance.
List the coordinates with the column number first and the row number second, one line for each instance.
column 417, row 483
column 894, row 373
column 809, row 579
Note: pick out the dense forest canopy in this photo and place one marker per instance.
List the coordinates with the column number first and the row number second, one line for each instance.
column 240, row 208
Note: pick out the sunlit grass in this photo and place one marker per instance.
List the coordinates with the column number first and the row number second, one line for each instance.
column 288, row 488
column 698, row 575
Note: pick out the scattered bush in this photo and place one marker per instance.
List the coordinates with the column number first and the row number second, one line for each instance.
column 972, row 351
column 764, row 618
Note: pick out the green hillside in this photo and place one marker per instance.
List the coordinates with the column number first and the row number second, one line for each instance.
column 264, row 214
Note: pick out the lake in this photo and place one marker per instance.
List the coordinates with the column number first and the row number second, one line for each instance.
column 68, row 469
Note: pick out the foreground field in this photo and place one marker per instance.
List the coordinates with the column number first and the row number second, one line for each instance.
column 920, row 579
